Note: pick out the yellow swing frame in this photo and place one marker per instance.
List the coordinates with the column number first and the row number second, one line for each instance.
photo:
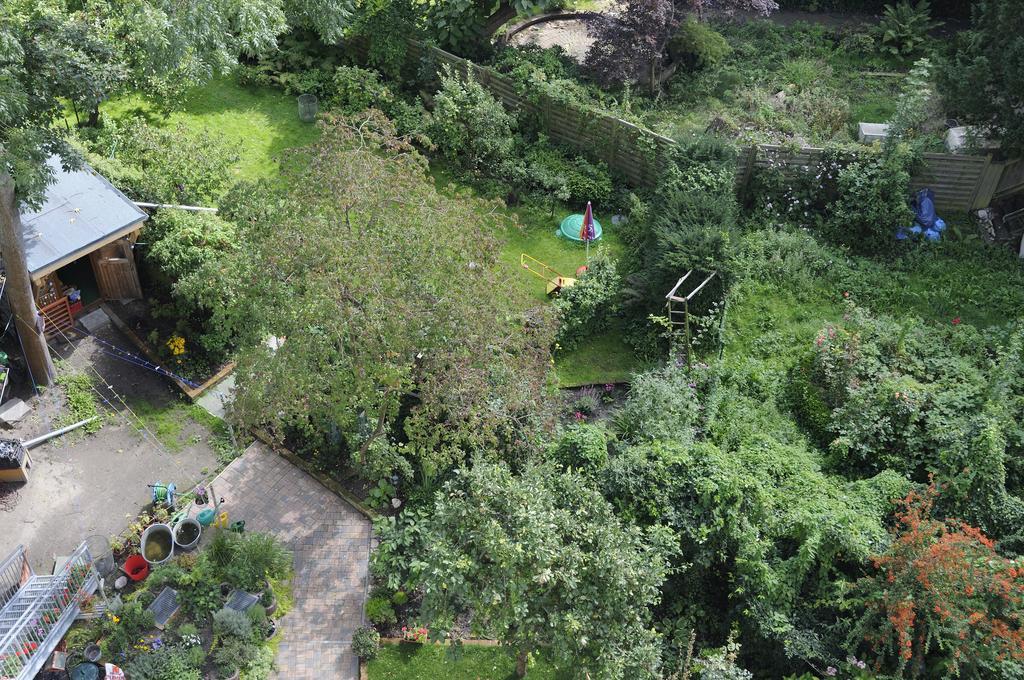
column 555, row 280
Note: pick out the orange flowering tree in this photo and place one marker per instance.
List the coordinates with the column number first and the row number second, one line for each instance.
column 941, row 601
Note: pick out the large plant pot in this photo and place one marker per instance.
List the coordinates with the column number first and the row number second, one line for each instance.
column 186, row 534
column 157, row 544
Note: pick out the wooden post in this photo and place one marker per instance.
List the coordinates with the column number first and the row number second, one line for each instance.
column 19, row 286
column 686, row 317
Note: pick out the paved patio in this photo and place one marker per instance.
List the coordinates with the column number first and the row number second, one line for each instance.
column 331, row 541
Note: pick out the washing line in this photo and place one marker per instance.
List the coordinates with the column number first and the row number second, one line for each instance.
column 136, row 360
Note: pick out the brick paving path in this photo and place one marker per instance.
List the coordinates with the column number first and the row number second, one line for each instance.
column 331, row 541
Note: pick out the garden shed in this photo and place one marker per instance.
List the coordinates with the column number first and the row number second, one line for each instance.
column 79, row 245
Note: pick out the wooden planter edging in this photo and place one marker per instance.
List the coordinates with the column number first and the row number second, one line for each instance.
column 192, row 393
column 324, row 480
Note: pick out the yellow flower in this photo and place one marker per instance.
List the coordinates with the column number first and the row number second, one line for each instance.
column 115, row 619
column 176, row 344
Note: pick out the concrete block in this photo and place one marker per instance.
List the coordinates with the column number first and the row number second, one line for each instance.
column 957, row 140
column 95, row 320
column 12, row 411
column 868, row 133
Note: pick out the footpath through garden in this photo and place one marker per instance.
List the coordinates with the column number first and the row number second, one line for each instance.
column 331, row 544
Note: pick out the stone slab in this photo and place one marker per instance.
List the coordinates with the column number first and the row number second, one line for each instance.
column 12, row 411
column 94, row 320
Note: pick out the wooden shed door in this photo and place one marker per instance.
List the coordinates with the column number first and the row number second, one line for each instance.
column 116, row 276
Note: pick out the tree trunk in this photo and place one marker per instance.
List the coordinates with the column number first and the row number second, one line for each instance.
column 19, row 286
column 505, row 12
column 521, row 658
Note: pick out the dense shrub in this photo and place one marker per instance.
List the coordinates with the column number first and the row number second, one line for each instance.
column 696, row 44
column 575, row 178
column 918, row 400
column 174, row 165
column 365, row 642
column 586, row 308
column 940, row 601
column 181, row 242
column 872, row 201
column 380, row 611
column 745, row 495
column 232, row 623
column 582, row 447
column 469, row 126
column 356, row 89
column 692, row 225
column 166, row 664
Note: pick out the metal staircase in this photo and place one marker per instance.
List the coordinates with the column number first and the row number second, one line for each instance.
column 37, row 610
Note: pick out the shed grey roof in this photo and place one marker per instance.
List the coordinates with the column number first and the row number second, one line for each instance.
column 81, row 212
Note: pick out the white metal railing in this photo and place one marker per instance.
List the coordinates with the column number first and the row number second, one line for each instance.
column 35, row 620
column 14, row 571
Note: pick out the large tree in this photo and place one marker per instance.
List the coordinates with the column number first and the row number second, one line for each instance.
column 542, row 562
column 55, row 53
column 983, row 80
column 399, row 330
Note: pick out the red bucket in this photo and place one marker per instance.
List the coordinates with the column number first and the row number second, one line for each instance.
column 136, row 567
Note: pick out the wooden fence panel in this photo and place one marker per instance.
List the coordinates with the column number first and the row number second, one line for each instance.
column 960, row 182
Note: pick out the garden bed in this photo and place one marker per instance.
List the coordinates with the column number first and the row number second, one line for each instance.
column 128, row 323
column 202, row 637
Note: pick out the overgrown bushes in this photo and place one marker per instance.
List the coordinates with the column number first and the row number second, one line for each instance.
column 586, row 308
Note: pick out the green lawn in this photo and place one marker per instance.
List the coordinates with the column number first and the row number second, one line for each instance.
column 602, row 359
column 409, row 661
column 258, row 123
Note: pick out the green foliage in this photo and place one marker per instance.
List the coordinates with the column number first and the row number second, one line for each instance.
column 988, row 58
column 380, row 611
column 165, row 664
column 469, row 126
column 919, row 400
column 232, row 623
column 394, row 563
column 572, row 178
column 587, row 308
column 692, row 226
column 378, row 318
column 365, row 642
column 175, row 165
column 761, row 528
column 916, row 106
column 903, row 30
column 80, row 394
column 234, row 654
column 357, row 89
column 871, row 202
column 665, row 405
column 940, row 601
column 581, row 447
column 542, row 560
column 260, row 665
column 256, row 557
column 697, row 45
column 133, row 620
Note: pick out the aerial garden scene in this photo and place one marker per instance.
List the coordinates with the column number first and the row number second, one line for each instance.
column 556, row 339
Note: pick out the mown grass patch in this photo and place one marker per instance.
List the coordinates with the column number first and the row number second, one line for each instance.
column 409, row 661
column 259, row 123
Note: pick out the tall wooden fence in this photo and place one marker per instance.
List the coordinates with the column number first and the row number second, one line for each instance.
column 636, row 153
column 961, row 182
